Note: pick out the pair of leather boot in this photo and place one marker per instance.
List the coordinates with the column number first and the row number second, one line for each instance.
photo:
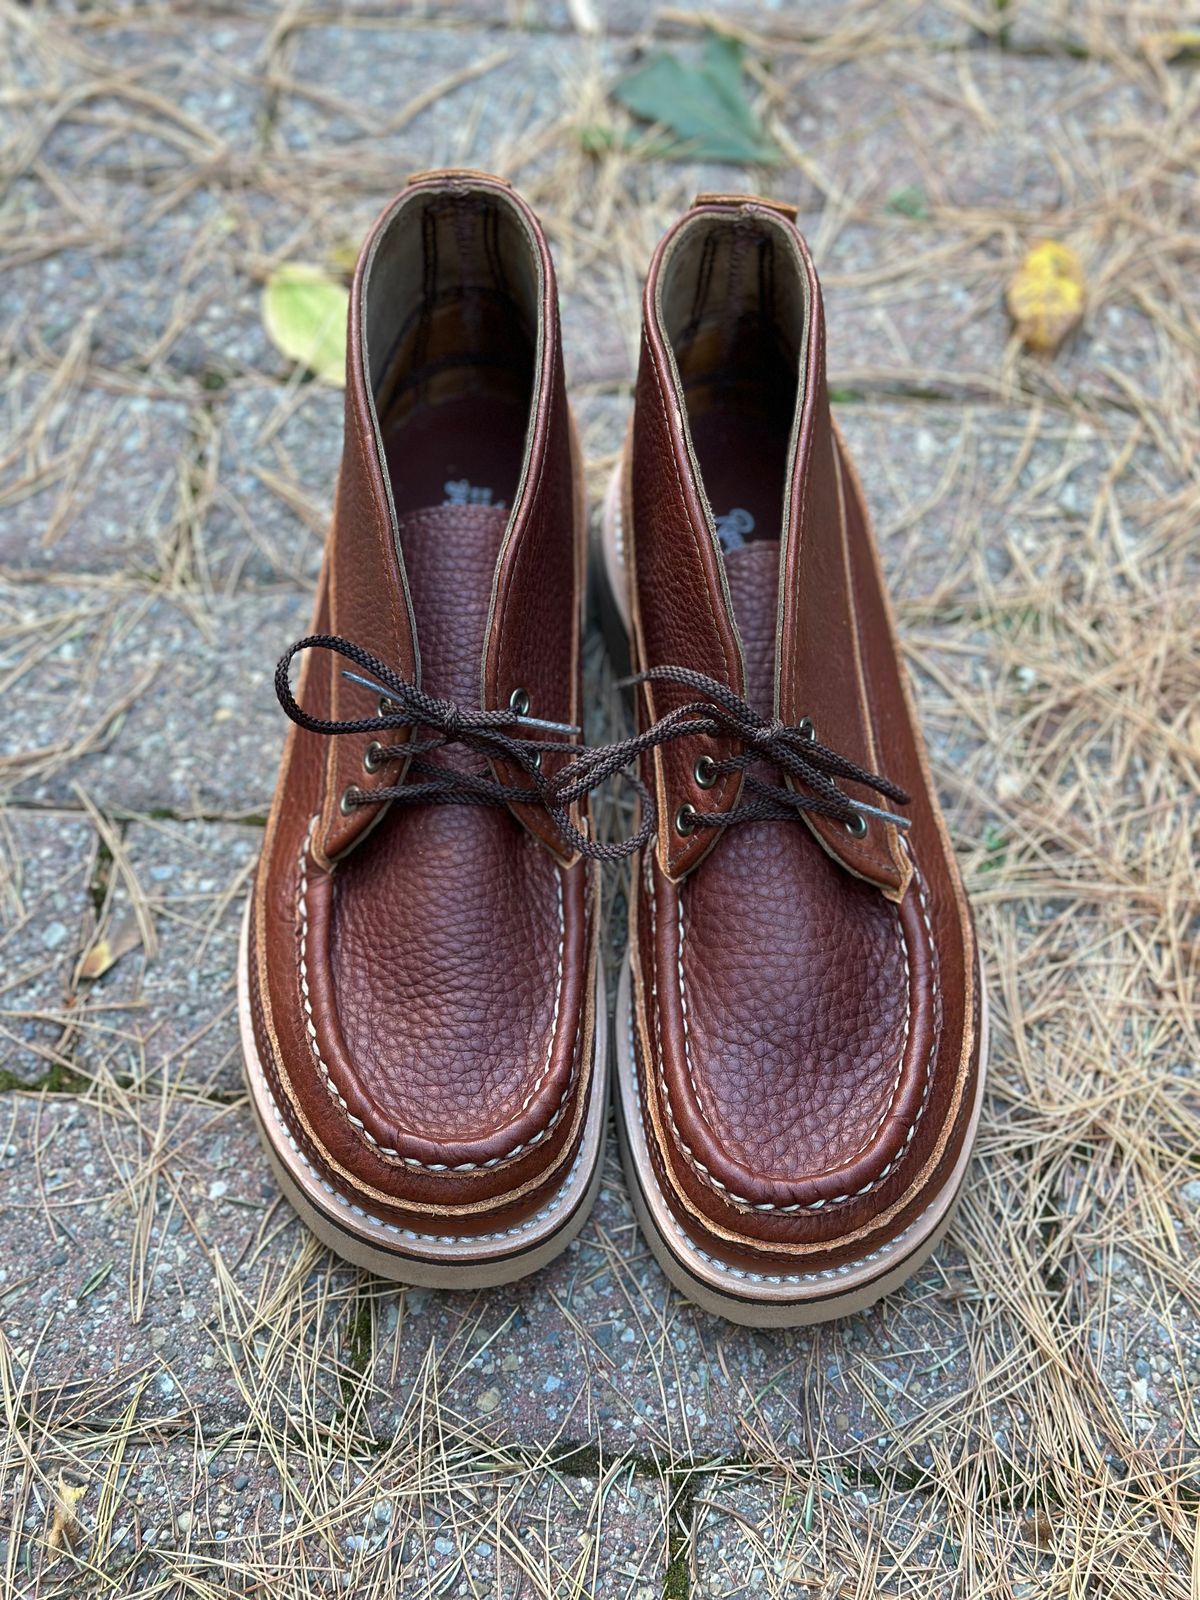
column 798, row 1041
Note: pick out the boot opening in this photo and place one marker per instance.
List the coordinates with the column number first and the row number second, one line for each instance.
column 451, row 339
column 733, row 306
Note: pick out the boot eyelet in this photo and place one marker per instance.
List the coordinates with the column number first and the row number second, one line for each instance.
column 373, row 756
column 705, row 771
column 536, row 760
column 858, row 828
column 807, row 729
column 685, row 819
column 386, row 707
column 346, row 803
column 519, row 701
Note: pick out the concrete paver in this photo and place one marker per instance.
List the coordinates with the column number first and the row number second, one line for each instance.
column 180, row 1212
column 161, row 96
column 94, row 482
column 277, row 454
column 342, row 90
column 245, row 1519
column 782, row 1538
column 149, row 703
column 170, row 1013
column 141, row 280
column 47, row 861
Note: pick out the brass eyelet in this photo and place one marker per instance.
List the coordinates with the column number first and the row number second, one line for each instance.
column 858, row 828
column 386, row 707
column 685, row 819
column 705, row 771
column 374, row 756
column 807, row 729
column 345, row 804
column 519, row 701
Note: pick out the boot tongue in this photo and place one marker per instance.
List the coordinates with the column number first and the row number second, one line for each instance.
column 450, row 557
column 752, row 571
column 753, row 574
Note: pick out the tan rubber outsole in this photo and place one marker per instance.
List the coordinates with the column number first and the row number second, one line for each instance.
column 769, row 1299
column 432, row 1261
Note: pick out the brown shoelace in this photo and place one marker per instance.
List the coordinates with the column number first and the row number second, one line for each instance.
column 485, row 733
column 718, row 713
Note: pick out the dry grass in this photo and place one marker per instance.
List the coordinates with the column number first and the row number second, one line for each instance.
column 1023, row 1420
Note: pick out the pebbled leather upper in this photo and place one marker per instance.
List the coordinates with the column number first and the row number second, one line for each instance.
column 805, row 1003
column 422, row 976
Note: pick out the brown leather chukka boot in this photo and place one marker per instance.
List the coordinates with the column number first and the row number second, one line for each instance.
column 800, row 1031
column 423, row 1042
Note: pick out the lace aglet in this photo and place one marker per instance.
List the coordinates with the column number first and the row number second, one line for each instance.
column 551, row 727
column 367, row 683
column 903, row 823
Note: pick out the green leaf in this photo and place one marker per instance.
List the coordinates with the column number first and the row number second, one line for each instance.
column 705, row 106
column 996, row 844
column 907, row 202
column 597, row 140
column 304, row 312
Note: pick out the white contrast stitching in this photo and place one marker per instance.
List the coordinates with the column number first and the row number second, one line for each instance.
column 408, row 1233
column 687, row 1044
column 742, row 1202
column 619, row 532
column 385, row 1152
column 558, row 984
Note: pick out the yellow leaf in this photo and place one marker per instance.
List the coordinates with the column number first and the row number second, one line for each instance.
column 98, row 960
column 304, row 313
column 1046, row 296
column 344, row 256
column 1182, row 44
column 66, row 1523
column 118, row 939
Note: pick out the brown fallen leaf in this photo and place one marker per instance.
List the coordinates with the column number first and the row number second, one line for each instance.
column 1038, row 1530
column 120, row 937
column 65, row 1527
column 1046, row 296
